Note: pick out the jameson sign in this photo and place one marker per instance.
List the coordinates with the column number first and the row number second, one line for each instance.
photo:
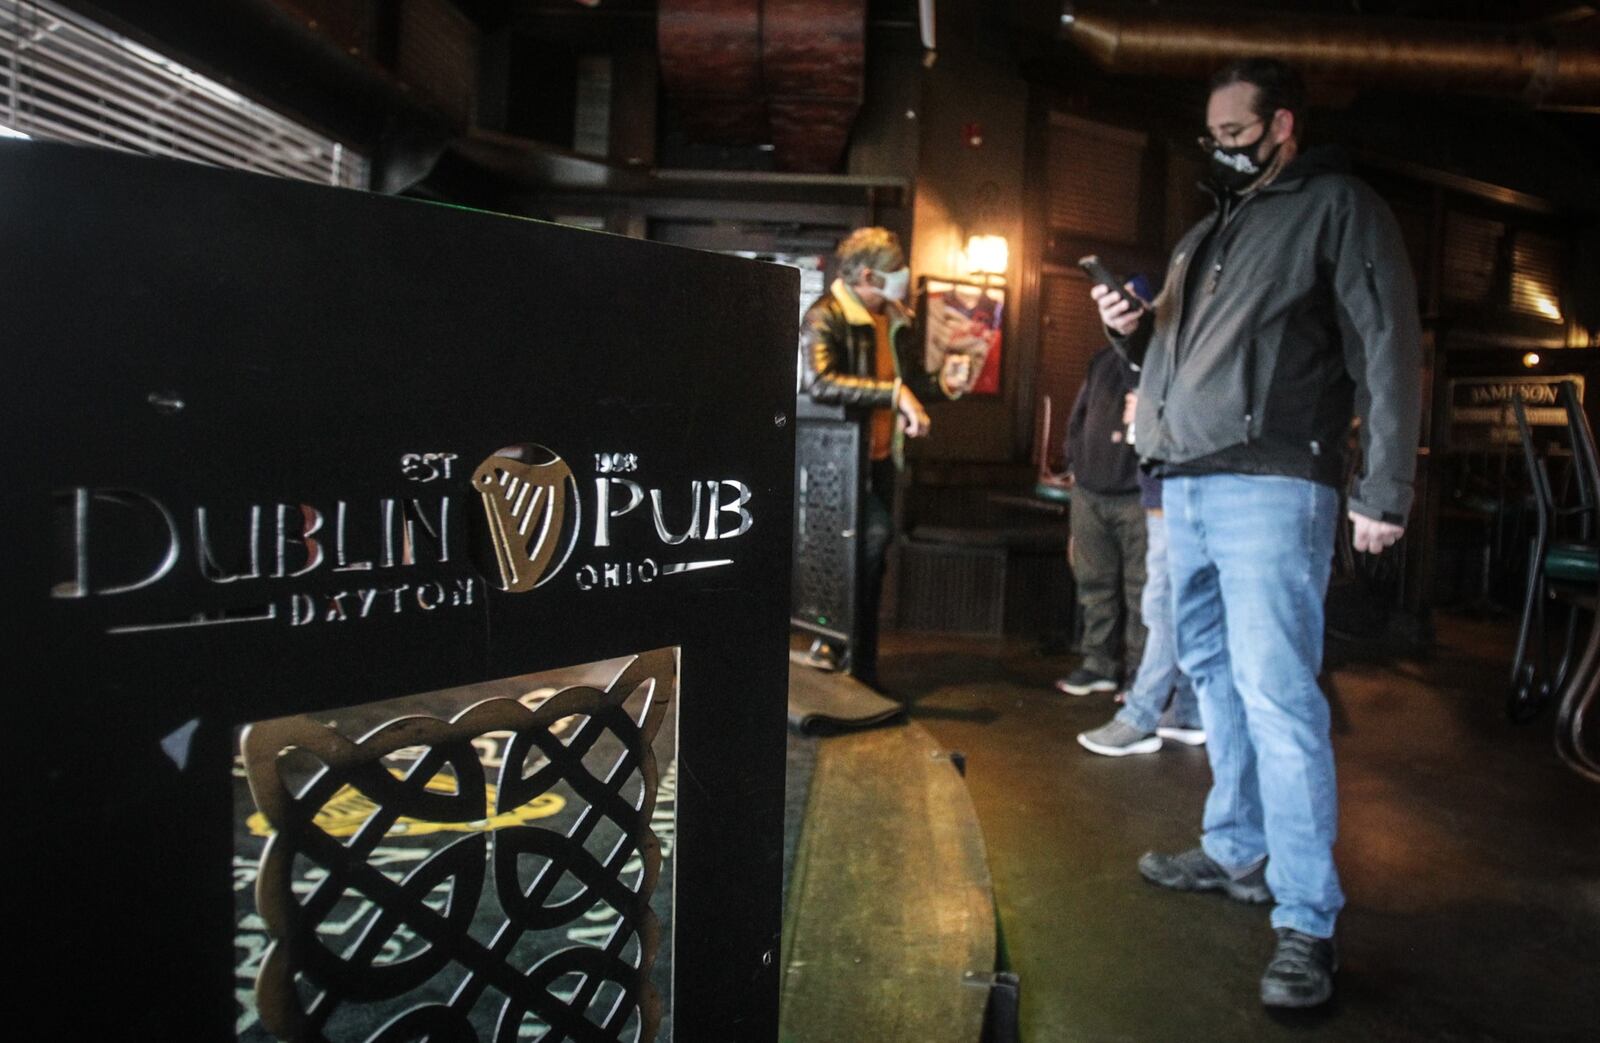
column 1481, row 415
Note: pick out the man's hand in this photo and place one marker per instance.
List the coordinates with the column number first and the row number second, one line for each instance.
column 1130, row 405
column 1115, row 311
column 914, row 417
column 1371, row 536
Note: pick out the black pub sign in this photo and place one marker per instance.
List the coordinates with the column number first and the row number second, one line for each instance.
column 400, row 615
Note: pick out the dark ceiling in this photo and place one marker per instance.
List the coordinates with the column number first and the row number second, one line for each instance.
column 279, row 50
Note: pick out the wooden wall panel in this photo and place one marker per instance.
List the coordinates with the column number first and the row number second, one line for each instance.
column 1072, row 334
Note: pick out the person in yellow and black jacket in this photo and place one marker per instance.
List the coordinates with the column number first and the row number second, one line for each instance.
column 859, row 348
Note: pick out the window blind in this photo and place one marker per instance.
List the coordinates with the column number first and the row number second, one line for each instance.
column 1536, row 276
column 65, row 78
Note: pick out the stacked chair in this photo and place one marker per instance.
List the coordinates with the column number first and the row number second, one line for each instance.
column 1564, row 566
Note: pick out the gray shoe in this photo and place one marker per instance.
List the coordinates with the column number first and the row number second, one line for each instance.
column 1301, row 971
column 1118, row 739
column 1193, row 870
column 1194, row 736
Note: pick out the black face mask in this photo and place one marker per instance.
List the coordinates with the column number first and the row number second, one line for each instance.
column 1234, row 168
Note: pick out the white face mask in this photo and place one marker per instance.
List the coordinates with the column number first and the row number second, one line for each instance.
column 896, row 283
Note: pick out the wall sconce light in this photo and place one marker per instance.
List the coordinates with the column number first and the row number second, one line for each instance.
column 988, row 255
column 1531, row 359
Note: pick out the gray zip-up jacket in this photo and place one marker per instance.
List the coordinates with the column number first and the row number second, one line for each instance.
column 1307, row 316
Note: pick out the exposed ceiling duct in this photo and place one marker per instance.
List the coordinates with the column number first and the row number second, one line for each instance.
column 1545, row 65
column 785, row 72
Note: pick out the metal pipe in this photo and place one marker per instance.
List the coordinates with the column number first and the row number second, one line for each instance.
column 1536, row 63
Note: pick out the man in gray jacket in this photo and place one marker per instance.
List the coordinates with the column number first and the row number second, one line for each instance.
column 1288, row 311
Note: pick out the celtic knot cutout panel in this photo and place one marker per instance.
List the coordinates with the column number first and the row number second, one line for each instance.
column 521, row 910
column 825, row 509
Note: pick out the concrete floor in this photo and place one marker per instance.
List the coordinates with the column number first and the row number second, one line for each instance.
column 1469, row 855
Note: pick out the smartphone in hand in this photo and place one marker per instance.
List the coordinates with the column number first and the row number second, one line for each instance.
column 1099, row 273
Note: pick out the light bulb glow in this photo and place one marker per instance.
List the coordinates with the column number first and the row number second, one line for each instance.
column 988, row 254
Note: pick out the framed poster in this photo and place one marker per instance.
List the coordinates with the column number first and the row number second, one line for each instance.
column 962, row 323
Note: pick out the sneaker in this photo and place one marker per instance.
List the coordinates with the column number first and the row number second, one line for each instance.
column 1083, row 681
column 1187, row 736
column 1118, row 739
column 1301, row 971
column 1193, row 870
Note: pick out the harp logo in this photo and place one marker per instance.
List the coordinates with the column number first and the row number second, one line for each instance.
column 531, row 500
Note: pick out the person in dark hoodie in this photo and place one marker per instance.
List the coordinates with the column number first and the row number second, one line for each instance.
column 1108, row 528
column 1288, row 310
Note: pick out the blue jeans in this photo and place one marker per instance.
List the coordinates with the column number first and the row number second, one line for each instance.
column 1159, row 677
column 1249, row 557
